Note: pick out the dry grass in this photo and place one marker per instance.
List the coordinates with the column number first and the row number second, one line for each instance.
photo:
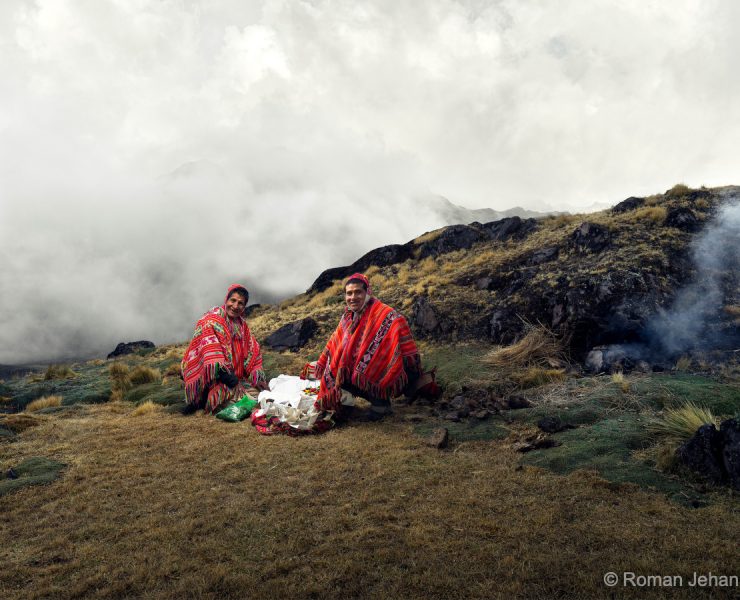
column 677, row 191
column 59, row 372
column 19, row 422
column 621, row 382
column 683, row 363
column 540, row 346
column 733, row 311
column 429, row 236
column 146, row 408
column 536, row 376
column 681, row 423
column 397, row 519
column 43, row 402
column 143, row 374
column 120, row 380
column 652, row 214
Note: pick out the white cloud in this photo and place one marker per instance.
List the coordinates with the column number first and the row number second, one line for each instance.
column 159, row 148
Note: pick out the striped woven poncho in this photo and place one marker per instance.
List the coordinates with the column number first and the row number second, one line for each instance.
column 219, row 343
column 374, row 351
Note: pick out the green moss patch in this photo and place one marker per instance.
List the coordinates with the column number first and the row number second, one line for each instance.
column 607, row 447
column 470, row 430
column 32, row 471
column 666, row 391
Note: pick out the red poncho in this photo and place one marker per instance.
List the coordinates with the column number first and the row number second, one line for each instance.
column 374, row 351
column 220, row 343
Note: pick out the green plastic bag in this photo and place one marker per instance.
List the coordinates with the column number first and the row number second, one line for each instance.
column 239, row 410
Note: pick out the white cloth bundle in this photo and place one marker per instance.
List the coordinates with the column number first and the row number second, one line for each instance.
column 287, row 400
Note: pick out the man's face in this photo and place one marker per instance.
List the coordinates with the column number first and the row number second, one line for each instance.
column 235, row 305
column 354, row 295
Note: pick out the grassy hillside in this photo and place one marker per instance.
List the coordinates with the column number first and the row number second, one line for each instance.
column 106, row 490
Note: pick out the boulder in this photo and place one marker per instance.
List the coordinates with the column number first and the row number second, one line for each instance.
column 630, row 203
column 703, row 453
column 130, row 347
column 439, row 438
column 424, row 316
column 455, row 237
column 544, row 255
column 251, row 309
column 590, row 237
column 509, row 228
column 552, row 425
column 730, row 432
column 682, row 218
column 380, row 257
column 292, row 336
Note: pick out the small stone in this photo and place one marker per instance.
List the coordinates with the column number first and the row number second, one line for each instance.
column 452, row 416
column 550, row 424
column 481, row 414
column 439, row 438
column 515, row 401
column 414, row 418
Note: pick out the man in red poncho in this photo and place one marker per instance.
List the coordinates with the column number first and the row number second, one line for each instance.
column 371, row 354
column 223, row 359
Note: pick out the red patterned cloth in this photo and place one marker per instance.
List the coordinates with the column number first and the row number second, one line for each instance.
column 373, row 350
column 218, row 343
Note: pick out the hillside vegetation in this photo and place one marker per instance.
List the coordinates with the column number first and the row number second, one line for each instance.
column 552, row 477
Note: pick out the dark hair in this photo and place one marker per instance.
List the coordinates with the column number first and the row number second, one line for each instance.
column 356, row 280
column 241, row 291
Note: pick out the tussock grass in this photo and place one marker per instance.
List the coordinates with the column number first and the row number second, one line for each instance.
column 18, row 423
column 653, row 214
column 429, row 236
column 540, row 346
column 682, row 422
column 59, row 372
column 145, row 408
column 318, row 300
column 537, row 376
column 143, row 374
column 678, row 191
column 733, row 311
column 683, row 363
column 43, row 402
column 119, row 374
column 621, row 381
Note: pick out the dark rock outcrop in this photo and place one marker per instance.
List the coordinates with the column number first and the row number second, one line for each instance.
column 292, row 336
column 509, row 228
column 590, row 237
column 682, row 218
column 630, row 203
column 130, row 347
column 380, row 257
column 552, row 425
column 730, row 432
column 703, row 453
column 455, row 237
column 424, row 317
column 252, row 308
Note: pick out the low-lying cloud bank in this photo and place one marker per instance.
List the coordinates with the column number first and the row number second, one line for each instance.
column 153, row 152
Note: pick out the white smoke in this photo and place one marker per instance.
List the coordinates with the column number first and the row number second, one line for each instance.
column 716, row 257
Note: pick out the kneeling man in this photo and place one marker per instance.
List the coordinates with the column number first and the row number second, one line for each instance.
column 371, row 354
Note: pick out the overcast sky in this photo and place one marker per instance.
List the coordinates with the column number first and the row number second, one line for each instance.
column 153, row 151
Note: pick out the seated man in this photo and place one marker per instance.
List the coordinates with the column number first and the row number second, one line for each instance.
column 223, row 359
column 371, row 354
